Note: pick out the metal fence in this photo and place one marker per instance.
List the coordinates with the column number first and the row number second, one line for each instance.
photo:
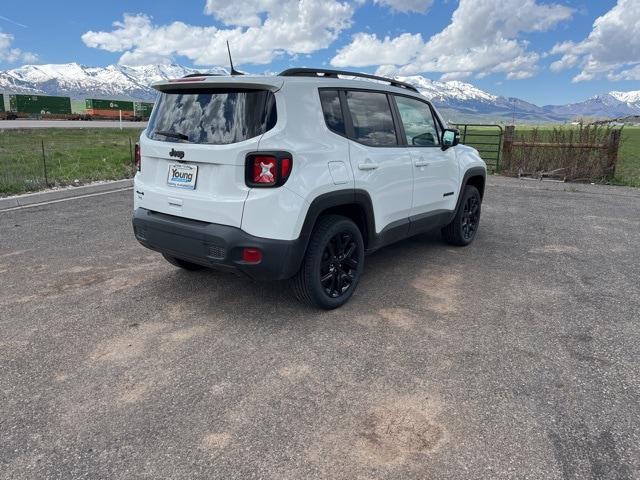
column 486, row 138
column 33, row 160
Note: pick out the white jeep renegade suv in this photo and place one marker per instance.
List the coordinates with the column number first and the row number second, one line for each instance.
column 299, row 175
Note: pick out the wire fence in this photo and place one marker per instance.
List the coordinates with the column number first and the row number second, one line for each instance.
column 33, row 160
column 586, row 153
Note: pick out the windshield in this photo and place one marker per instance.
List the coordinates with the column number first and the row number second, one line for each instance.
column 214, row 117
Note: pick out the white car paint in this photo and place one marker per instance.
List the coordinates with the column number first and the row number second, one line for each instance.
column 402, row 181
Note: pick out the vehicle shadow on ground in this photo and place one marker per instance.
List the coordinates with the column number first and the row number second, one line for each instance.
column 392, row 278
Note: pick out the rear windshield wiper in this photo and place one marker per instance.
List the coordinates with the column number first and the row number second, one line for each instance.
column 166, row 133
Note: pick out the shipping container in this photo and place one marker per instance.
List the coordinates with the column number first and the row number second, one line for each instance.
column 110, row 114
column 1, row 103
column 142, row 109
column 40, row 104
column 97, row 104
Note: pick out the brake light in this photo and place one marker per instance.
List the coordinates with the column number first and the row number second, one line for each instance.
column 264, row 170
column 268, row 169
column 187, row 79
column 137, row 157
column 285, row 168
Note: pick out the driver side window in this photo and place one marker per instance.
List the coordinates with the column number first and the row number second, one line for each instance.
column 419, row 125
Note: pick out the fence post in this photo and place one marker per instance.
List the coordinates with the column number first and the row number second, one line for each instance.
column 500, row 136
column 44, row 164
column 612, row 151
column 507, row 146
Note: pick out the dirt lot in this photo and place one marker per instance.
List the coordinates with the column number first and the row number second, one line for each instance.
column 517, row 357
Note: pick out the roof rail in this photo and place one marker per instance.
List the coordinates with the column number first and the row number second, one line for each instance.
column 315, row 72
column 191, row 75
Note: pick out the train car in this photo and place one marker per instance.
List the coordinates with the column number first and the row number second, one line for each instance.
column 109, row 109
column 39, row 105
column 142, row 110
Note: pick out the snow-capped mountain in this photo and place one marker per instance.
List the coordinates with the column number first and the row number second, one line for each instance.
column 469, row 100
column 466, row 99
column 459, row 101
column 79, row 81
column 609, row 105
column 627, row 97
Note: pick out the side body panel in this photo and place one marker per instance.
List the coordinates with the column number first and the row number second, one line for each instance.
column 436, row 179
column 317, row 154
column 385, row 173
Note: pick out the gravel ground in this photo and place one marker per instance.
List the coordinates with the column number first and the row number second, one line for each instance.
column 517, row 357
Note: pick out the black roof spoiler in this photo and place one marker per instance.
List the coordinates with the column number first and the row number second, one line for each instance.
column 326, row 73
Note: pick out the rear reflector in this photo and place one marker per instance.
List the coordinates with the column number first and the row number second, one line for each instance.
column 251, row 255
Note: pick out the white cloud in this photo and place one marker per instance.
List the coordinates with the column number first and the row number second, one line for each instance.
column 406, row 6
column 611, row 50
column 258, row 32
column 367, row 49
column 484, row 37
column 12, row 55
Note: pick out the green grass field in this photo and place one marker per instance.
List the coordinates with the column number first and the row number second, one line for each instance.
column 71, row 154
column 104, row 154
column 628, row 168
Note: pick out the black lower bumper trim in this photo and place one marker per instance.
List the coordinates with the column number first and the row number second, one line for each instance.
column 217, row 246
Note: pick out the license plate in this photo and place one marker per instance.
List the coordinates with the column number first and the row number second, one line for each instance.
column 182, row 176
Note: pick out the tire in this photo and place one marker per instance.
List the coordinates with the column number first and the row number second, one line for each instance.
column 463, row 228
column 332, row 265
column 178, row 262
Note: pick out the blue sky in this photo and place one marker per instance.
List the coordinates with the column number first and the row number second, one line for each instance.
column 507, row 47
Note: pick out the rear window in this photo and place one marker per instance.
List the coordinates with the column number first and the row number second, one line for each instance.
column 372, row 119
column 214, row 117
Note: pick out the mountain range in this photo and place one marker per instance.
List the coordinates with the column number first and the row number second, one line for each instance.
column 459, row 101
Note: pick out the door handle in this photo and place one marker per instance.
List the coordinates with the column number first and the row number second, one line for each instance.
column 368, row 166
column 422, row 163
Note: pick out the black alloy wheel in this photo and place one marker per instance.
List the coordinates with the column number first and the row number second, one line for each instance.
column 339, row 264
column 470, row 217
column 463, row 228
column 332, row 265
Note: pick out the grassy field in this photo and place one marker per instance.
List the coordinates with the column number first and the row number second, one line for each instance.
column 69, row 154
column 104, row 154
column 628, row 166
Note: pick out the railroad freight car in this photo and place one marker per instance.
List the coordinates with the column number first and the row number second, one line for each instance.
column 109, row 109
column 142, row 110
column 40, row 105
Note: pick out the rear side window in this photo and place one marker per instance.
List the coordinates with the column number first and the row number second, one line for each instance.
column 330, row 100
column 372, row 119
column 214, row 117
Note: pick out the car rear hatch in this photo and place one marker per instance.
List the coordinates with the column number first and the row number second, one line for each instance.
column 194, row 148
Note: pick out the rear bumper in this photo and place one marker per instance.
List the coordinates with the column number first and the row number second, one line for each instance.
column 216, row 246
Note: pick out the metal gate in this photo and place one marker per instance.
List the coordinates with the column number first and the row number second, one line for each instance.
column 485, row 138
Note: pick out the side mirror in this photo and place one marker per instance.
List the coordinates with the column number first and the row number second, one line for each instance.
column 424, row 140
column 450, row 138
